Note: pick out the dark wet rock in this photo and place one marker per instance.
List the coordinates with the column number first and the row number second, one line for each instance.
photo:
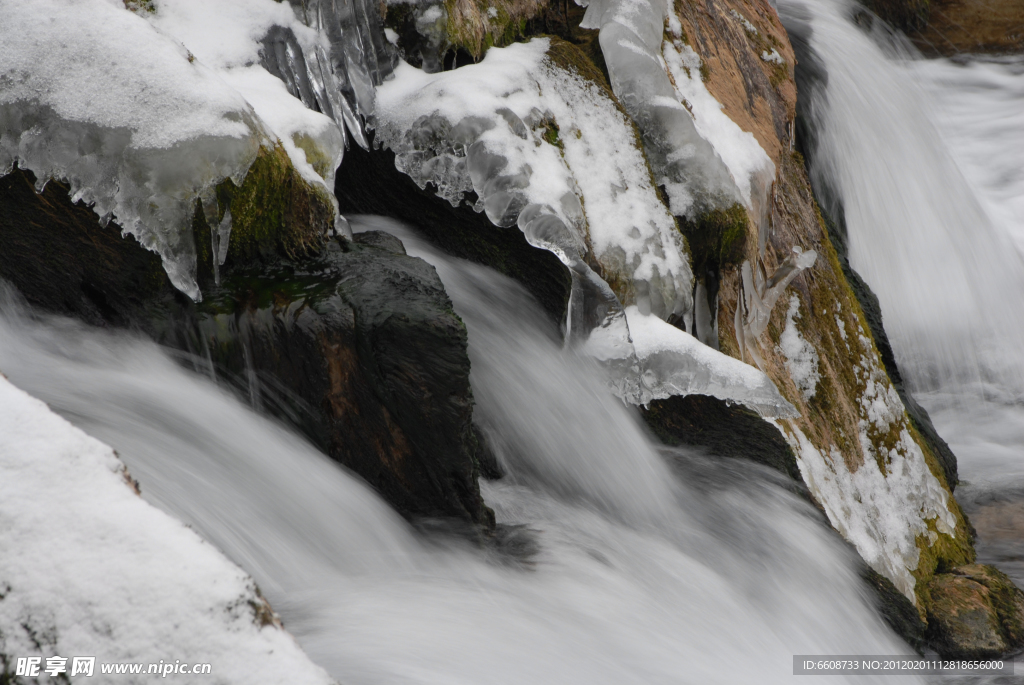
column 381, row 239
column 906, row 15
column 369, row 183
column 721, row 429
column 358, row 346
column 975, row 612
column 63, row 261
column 896, row 610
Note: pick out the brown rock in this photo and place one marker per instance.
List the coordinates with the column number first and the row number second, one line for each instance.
column 961, row 619
column 972, row 26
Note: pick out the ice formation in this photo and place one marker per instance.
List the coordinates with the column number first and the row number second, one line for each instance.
column 758, row 296
column 145, row 113
column 98, row 571
column 685, row 146
column 750, row 166
column 801, row 357
column 94, row 95
column 676, row 363
column 885, row 503
column 550, row 152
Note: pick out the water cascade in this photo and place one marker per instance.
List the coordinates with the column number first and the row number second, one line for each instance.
column 614, row 563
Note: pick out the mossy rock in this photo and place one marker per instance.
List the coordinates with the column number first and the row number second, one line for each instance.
column 716, row 238
column 275, row 212
column 476, row 25
column 976, row 612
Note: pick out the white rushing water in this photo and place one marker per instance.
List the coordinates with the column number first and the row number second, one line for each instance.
column 942, row 263
column 614, row 564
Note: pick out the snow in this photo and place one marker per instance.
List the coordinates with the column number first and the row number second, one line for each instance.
column 95, row 95
column 228, row 36
column 801, row 357
column 749, row 165
column 885, row 503
column 750, row 28
column 91, row 569
column 594, row 180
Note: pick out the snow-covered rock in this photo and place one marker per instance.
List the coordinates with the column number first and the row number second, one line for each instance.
column 123, row 107
column 544, row 148
column 91, row 570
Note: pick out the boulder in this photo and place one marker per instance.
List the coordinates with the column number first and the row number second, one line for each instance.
column 976, row 612
column 355, row 344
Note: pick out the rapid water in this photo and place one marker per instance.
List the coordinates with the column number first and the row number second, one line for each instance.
column 927, row 157
column 615, row 563
column 945, row 268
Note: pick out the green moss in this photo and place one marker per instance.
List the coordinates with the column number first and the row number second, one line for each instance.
column 275, row 212
column 140, row 6
column 705, row 70
column 551, row 132
column 321, row 162
column 471, row 26
column 716, row 238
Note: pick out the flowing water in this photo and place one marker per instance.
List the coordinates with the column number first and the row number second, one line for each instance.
column 927, row 159
column 615, row 563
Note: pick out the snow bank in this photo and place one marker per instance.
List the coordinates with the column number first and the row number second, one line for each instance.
column 90, row 569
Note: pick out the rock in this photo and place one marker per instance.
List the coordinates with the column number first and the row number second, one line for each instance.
column 897, row 611
column 906, row 15
column 971, row 27
column 975, row 612
column 360, row 349
column 369, row 183
column 381, row 239
column 722, row 430
column 821, row 351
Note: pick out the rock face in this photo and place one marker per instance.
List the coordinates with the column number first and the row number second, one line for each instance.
column 722, row 430
column 362, row 349
column 818, row 345
column 970, row 27
column 976, row 612
column 359, row 348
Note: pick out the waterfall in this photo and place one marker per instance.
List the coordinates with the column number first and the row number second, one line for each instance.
column 946, row 274
column 614, row 562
